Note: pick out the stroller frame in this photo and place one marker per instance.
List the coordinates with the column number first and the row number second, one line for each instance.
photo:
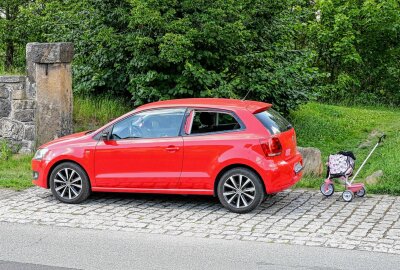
column 351, row 189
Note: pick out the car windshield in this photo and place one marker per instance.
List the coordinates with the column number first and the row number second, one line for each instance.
column 273, row 121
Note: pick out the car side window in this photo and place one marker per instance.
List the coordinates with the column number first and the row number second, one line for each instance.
column 150, row 124
column 213, row 121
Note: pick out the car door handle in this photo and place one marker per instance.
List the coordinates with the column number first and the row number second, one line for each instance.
column 172, row 148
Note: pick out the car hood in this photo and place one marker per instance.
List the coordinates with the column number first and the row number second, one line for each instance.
column 66, row 139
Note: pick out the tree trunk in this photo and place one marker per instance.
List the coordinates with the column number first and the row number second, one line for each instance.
column 10, row 48
column 9, row 61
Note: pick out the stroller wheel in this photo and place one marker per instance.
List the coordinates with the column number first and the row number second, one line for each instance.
column 361, row 192
column 327, row 190
column 347, row 195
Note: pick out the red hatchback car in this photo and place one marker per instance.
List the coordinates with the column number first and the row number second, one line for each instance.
column 236, row 150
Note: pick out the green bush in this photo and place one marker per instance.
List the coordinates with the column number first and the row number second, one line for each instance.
column 284, row 52
column 149, row 50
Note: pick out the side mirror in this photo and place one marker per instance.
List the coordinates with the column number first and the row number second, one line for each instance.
column 105, row 136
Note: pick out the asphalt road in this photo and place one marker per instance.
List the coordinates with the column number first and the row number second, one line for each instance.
column 24, row 246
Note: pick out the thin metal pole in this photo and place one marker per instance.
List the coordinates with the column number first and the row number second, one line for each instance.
column 365, row 161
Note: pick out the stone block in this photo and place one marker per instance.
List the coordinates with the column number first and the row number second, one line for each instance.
column 12, row 79
column 11, row 129
column 4, row 92
column 24, row 115
column 5, row 108
column 26, row 147
column 29, row 133
column 312, row 160
column 49, row 53
column 54, row 101
column 18, row 94
column 374, row 178
column 23, row 104
column 30, row 90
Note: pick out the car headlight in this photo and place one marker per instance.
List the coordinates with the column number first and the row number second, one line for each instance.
column 40, row 153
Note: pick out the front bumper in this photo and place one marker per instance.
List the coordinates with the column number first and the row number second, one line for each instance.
column 39, row 168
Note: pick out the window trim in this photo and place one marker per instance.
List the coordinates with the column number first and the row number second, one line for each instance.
column 111, row 127
column 202, row 109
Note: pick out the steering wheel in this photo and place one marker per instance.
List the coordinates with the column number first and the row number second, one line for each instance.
column 135, row 132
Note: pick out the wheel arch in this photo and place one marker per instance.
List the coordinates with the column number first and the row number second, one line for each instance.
column 233, row 166
column 65, row 161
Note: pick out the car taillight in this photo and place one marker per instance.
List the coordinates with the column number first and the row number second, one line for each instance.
column 271, row 147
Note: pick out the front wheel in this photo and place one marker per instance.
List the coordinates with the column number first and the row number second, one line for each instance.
column 69, row 183
column 240, row 190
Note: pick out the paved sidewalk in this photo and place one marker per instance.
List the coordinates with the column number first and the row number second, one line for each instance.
column 295, row 217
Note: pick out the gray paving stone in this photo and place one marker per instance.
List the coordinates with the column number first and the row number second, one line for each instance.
column 296, row 217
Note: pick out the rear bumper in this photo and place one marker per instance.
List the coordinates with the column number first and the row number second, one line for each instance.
column 284, row 176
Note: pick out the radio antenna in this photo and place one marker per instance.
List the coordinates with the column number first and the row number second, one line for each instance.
column 248, row 92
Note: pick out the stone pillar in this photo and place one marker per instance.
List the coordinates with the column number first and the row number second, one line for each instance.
column 50, row 76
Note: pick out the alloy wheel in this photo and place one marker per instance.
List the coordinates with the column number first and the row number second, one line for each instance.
column 239, row 191
column 68, row 183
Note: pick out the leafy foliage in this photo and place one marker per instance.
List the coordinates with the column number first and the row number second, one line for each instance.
column 11, row 37
column 284, row 52
column 152, row 50
column 358, row 45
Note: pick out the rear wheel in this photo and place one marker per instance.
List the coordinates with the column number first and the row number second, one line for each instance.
column 69, row 183
column 240, row 190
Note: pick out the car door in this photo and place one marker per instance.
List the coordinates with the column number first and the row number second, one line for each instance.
column 142, row 151
column 209, row 133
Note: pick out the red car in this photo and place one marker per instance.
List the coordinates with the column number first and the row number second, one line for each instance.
column 236, row 150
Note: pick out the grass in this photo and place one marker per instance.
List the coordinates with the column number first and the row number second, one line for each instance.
column 93, row 112
column 16, row 172
column 334, row 128
column 12, row 71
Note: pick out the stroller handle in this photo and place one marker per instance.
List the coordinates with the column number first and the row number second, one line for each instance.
column 381, row 138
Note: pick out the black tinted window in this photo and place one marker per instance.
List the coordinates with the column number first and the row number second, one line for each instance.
column 273, row 121
column 150, row 124
column 209, row 121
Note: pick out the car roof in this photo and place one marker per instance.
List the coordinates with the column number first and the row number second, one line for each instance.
column 219, row 103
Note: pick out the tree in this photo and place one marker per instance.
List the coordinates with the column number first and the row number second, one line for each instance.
column 358, row 45
column 162, row 49
column 9, row 34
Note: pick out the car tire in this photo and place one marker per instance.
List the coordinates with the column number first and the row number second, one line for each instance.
column 69, row 183
column 240, row 190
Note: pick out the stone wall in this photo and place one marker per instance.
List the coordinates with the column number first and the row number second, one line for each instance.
column 37, row 108
column 17, row 113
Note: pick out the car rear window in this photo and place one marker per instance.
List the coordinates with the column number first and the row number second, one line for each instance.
column 273, row 121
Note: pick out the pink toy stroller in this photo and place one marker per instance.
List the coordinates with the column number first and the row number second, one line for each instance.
column 341, row 165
